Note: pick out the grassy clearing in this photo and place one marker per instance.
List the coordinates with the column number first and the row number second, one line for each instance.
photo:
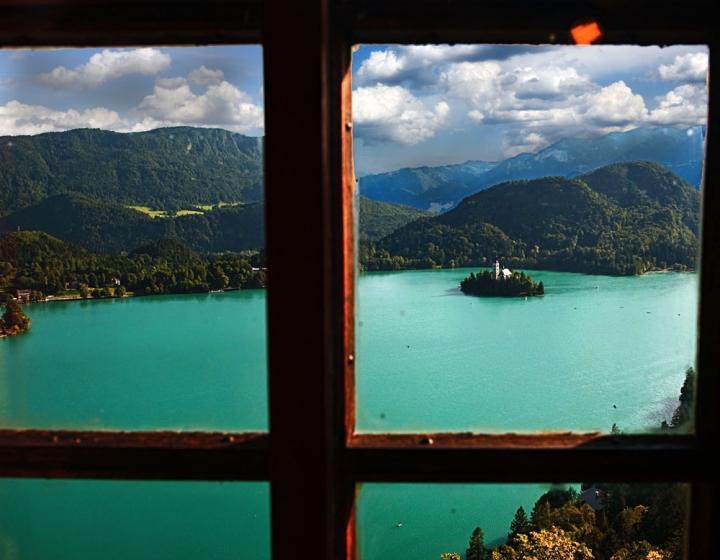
column 147, row 210
column 208, row 207
column 197, row 209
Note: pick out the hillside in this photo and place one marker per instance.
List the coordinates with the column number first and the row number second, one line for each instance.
column 438, row 188
column 621, row 219
column 112, row 228
column 166, row 168
column 378, row 219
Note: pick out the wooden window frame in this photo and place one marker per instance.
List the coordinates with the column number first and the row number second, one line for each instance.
column 312, row 457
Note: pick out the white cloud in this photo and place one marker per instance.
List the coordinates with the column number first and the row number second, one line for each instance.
column 690, row 67
column 205, row 77
column 419, row 66
column 686, row 105
column 393, row 114
column 222, row 105
column 539, row 106
column 172, row 103
column 17, row 55
column 17, row 119
column 106, row 66
column 170, row 83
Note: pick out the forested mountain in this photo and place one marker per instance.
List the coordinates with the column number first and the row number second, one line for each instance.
column 378, row 219
column 112, row 228
column 436, row 188
column 166, row 168
column 621, row 219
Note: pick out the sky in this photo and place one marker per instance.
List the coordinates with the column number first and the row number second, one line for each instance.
column 413, row 105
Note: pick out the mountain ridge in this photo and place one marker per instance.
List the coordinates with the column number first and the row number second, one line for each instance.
column 440, row 188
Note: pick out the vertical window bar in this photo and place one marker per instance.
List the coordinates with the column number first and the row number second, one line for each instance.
column 300, row 281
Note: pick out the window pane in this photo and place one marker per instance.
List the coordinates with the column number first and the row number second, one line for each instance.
column 578, row 167
column 407, row 521
column 133, row 172
column 116, row 520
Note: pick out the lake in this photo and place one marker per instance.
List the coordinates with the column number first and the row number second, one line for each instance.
column 594, row 351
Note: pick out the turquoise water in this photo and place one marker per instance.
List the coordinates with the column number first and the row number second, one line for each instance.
column 436, row 518
column 190, row 362
column 594, row 351
column 122, row 520
column 429, row 358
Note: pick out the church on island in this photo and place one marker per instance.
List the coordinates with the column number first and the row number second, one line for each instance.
column 500, row 273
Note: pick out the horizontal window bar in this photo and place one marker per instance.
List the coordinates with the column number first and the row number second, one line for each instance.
column 101, row 23
column 519, row 21
column 134, row 455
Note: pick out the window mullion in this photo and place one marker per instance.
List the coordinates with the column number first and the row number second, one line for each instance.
column 300, row 280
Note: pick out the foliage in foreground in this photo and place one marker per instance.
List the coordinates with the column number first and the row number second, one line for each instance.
column 635, row 522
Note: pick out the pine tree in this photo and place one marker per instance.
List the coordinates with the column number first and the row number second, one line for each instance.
column 476, row 550
column 520, row 525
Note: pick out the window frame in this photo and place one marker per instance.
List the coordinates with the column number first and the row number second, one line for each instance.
column 314, row 469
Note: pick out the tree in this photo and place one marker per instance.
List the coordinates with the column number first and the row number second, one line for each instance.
column 476, row 550
column 551, row 545
column 14, row 319
column 84, row 291
column 519, row 525
column 450, row 556
column 683, row 413
column 120, row 291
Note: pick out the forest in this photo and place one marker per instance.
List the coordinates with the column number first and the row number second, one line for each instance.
column 623, row 219
column 36, row 261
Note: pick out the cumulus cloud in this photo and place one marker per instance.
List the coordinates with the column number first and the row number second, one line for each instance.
column 17, row 118
column 172, row 103
column 539, row 106
column 106, row 66
column 690, row 67
column 419, row 66
column 205, row 77
column 686, row 105
column 393, row 114
column 222, row 105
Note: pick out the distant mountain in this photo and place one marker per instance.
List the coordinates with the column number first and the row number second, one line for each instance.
column 112, row 228
column 166, row 168
column 439, row 188
column 621, row 219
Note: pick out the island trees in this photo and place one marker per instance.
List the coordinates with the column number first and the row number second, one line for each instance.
column 515, row 285
column 14, row 320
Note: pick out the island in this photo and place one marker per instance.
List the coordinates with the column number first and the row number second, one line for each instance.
column 501, row 282
column 14, row 321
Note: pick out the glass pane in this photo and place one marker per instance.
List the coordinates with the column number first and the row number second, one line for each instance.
column 629, row 521
column 117, row 520
column 563, row 184
column 128, row 173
